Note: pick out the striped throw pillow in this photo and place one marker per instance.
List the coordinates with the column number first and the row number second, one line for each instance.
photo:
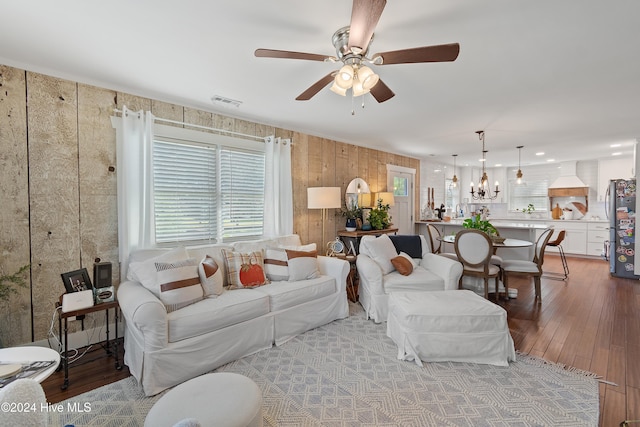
column 178, row 283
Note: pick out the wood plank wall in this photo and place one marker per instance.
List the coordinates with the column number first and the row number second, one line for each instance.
column 58, row 184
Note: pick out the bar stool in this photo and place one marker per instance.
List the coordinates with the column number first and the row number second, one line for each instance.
column 557, row 244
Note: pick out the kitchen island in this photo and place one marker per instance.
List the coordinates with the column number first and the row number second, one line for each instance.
column 584, row 237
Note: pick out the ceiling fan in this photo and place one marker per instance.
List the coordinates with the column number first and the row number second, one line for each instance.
column 352, row 46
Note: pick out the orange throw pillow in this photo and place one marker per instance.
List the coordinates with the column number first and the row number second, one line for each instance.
column 403, row 265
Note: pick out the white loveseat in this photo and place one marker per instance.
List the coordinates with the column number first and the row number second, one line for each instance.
column 164, row 348
column 379, row 277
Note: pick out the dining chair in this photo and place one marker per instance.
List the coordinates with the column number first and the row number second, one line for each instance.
column 557, row 243
column 474, row 250
column 532, row 268
column 435, row 239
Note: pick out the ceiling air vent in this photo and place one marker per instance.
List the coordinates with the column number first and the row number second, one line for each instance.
column 227, row 102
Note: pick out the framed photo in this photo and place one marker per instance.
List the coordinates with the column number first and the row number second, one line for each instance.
column 75, row 281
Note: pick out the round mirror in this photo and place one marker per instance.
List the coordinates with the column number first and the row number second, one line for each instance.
column 354, row 196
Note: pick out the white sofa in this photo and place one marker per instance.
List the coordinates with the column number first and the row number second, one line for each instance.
column 164, row 348
column 378, row 277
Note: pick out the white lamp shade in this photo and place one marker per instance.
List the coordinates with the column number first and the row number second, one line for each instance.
column 358, row 89
column 323, row 197
column 337, row 89
column 344, row 78
column 367, row 77
column 386, row 197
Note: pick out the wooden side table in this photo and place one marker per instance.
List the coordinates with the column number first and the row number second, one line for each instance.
column 107, row 346
column 355, row 236
column 352, row 279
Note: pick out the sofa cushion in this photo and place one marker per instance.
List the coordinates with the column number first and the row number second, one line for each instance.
column 142, row 267
column 244, row 270
column 420, row 280
column 211, row 314
column 381, row 250
column 211, row 277
column 411, row 245
column 276, row 265
column 177, row 283
column 288, row 294
column 302, row 265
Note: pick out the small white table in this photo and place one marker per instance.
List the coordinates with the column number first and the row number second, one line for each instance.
column 27, row 354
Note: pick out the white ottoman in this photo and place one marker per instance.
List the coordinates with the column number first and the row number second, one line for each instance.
column 220, row 399
column 456, row 325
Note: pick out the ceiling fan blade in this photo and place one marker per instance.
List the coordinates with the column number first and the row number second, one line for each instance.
column 364, row 18
column 286, row 54
column 381, row 92
column 438, row 53
column 316, row 87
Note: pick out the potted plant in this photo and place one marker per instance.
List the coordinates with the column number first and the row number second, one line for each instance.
column 379, row 216
column 529, row 209
column 352, row 214
column 8, row 282
column 476, row 222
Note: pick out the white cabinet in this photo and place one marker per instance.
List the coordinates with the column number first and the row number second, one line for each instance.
column 609, row 169
column 575, row 238
column 597, row 234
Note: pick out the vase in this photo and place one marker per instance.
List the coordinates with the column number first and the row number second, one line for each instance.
column 351, row 224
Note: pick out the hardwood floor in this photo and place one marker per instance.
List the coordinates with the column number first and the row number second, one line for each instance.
column 590, row 322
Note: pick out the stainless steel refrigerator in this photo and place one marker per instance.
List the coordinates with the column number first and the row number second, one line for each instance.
column 621, row 200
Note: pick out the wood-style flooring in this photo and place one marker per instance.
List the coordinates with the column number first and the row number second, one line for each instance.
column 590, row 321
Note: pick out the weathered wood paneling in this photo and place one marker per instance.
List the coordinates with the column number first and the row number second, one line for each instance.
column 54, row 192
column 15, row 313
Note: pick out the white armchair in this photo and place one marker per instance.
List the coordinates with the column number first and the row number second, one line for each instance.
column 378, row 278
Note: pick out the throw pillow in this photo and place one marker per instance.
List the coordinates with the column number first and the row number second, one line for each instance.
column 302, row 265
column 382, row 251
column 402, row 265
column 306, row 248
column 276, row 265
column 244, row 270
column 178, row 283
column 145, row 271
column 210, row 277
column 410, row 245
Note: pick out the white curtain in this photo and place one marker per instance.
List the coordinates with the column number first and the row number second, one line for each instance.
column 134, row 142
column 278, row 192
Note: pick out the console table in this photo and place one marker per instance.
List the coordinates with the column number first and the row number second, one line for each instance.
column 97, row 307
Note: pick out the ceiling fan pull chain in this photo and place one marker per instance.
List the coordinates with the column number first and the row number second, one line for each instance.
column 353, row 103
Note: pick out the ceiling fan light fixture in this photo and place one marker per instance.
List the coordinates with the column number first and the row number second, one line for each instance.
column 335, row 88
column 344, row 78
column 367, row 77
column 358, row 89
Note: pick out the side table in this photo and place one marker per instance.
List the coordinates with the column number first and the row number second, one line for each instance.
column 107, row 346
column 352, row 279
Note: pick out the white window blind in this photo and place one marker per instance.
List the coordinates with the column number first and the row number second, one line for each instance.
column 533, row 191
column 242, row 193
column 206, row 192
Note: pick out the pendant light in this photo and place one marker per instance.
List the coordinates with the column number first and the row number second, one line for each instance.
column 454, row 180
column 519, row 173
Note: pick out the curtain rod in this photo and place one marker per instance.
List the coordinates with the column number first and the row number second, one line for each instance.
column 175, row 122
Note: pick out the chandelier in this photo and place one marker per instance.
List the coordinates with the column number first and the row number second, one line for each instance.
column 484, row 192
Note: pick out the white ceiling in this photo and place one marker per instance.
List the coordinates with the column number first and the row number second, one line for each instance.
column 559, row 76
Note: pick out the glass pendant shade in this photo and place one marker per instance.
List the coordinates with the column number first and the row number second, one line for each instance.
column 367, row 77
column 337, row 89
column 344, row 78
column 358, row 89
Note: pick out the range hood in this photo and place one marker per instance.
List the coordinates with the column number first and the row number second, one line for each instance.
column 568, row 177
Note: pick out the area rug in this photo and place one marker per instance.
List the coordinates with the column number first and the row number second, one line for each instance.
column 346, row 374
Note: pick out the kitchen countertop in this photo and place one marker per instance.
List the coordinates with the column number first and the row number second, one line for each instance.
column 519, row 223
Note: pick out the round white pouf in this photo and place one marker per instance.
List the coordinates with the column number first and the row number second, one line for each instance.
column 221, row 399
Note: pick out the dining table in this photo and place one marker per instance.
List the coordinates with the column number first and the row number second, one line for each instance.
column 507, row 243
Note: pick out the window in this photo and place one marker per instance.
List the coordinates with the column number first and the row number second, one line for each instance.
column 400, row 186
column 534, row 192
column 206, row 187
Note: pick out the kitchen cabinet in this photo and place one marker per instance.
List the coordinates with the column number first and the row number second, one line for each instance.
column 575, row 238
column 609, row 169
column 597, row 235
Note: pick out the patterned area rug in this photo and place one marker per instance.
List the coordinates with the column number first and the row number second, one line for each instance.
column 346, row 374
